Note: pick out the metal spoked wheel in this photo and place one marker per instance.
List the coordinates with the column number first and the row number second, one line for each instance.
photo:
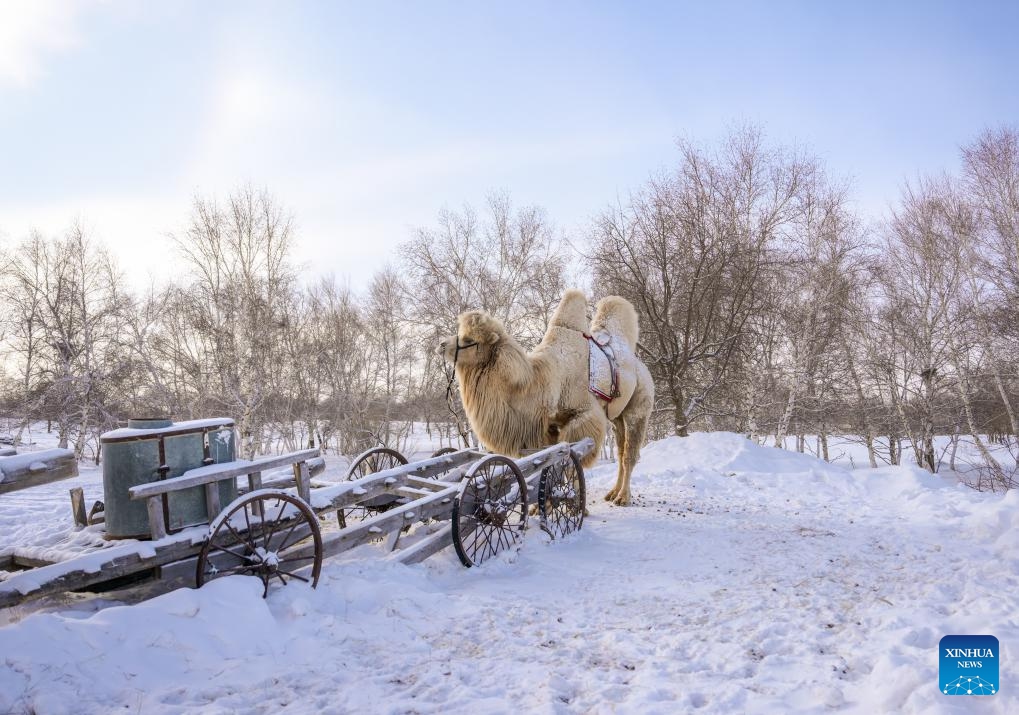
column 490, row 512
column 562, row 496
column 269, row 534
column 374, row 460
column 444, row 450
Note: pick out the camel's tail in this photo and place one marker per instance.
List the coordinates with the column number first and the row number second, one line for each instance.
column 572, row 311
column 616, row 316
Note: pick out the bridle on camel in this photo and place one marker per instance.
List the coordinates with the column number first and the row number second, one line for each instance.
column 449, row 385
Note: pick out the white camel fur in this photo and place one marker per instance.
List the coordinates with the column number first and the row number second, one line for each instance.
column 517, row 401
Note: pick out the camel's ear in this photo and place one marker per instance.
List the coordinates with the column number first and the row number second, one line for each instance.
column 469, row 323
column 480, row 324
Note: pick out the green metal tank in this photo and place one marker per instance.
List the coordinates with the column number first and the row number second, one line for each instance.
column 149, row 450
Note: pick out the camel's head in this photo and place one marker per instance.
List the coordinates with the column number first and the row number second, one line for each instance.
column 477, row 335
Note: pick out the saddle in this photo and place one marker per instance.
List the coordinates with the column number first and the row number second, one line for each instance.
column 602, row 369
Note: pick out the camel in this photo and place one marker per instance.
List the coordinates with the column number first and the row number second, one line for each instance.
column 519, row 401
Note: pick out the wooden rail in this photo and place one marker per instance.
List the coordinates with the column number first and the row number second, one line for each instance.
column 209, row 477
column 30, row 469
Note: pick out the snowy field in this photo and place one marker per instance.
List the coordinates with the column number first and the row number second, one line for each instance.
column 743, row 579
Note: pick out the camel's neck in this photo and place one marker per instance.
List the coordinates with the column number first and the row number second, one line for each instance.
column 503, row 399
column 507, row 369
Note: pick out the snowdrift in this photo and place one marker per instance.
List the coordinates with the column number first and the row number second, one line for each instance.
column 744, row 578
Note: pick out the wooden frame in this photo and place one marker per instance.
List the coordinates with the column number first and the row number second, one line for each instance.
column 429, row 487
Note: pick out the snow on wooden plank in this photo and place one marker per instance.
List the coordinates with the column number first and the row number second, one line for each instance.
column 175, row 428
column 420, row 473
column 21, row 471
column 215, row 472
column 99, row 566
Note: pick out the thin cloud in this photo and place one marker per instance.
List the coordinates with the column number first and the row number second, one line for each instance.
column 32, row 32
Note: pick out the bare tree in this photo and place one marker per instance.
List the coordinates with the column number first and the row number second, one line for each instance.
column 689, row 251
column 929, row 317
column 67, row 311
column 991, row 172
column 339, row 352
column 233, row 307
column 508, row 262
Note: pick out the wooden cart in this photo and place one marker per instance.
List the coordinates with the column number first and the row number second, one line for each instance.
column 277, row 531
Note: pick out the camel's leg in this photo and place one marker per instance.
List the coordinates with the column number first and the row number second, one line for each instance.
column 619, row 428
column 636, row 430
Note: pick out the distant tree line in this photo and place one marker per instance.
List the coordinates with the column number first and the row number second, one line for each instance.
column 767, row 307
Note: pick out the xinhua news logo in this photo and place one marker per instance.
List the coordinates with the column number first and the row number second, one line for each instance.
column 968, row 665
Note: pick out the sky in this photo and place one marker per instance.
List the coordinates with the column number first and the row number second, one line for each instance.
column 365, row 119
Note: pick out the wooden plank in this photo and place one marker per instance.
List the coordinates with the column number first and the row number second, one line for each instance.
column 201, row 476
column 583, row 447
column 31, row 469
column 78, row 507
column 212, row 507
column 428, row 546
column 118, row 565
column 437, row 485
column 255, row 482
column 394, row 539
column 29, row 562
column 179, row 574
column 316, row 466
column 287, row 482
column 435, row 466
column 395, row 518
column 414, row 492
column 302, row 476
column 346, row 494
column 532, row 465
column 7, row 451
column 157, row 525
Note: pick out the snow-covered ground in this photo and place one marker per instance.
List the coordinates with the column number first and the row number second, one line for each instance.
column 744, row 578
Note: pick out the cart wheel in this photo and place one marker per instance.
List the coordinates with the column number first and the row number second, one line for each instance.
column 444, row 450
column 562, row 497
column 269, row 534
column 374, row 460
column 490, row 512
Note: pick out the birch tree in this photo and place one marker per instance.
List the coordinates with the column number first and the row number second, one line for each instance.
column 991, row 173
column 233, row 305
column 689, row 251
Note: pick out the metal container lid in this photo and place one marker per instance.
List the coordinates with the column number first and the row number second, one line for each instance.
column 164, row 427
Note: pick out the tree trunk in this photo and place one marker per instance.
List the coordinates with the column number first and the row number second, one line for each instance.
column 751, row 412
column 955, row 447
column 869, row 432
column 787, row 414
column 901, row 411
column 997, row 475
column 679, row 416
column 1013, row 421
